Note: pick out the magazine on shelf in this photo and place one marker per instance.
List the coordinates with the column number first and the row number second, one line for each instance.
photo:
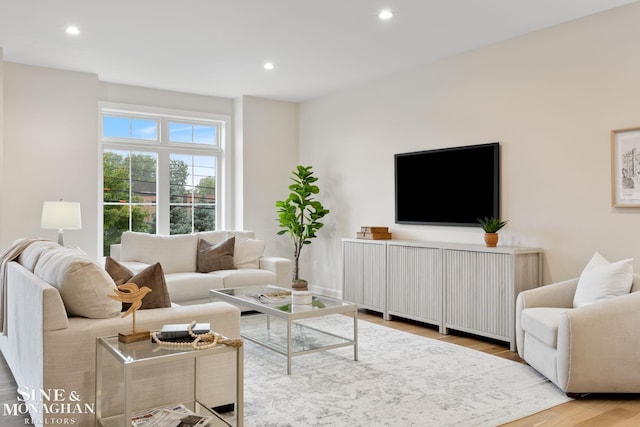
column 171, row 416
column 275, row 296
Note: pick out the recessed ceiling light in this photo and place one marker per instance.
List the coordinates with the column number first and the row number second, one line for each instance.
column 385, row 14
column 73, row 30
column 268, row 66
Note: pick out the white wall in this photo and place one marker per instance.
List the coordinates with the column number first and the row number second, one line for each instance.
column 112, row 92
column 550, row 98
column 49, row 148
column 269, row 144
column 1, row 142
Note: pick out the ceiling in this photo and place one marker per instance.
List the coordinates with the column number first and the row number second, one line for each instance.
column 218, row 47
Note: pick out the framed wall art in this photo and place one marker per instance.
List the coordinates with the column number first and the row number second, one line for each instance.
column 625, row 168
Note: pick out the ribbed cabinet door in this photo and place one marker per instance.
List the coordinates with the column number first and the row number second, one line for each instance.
column 479, row 287
column 414, row 283
column 364, row 274
column 353, row 272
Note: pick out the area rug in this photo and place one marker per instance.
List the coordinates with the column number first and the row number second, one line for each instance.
column 400, row 379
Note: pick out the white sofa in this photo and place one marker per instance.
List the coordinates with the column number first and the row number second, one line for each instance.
column 178, row 256
column 50, row 343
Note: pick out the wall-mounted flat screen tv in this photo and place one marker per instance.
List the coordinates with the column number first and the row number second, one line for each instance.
column 448, row 186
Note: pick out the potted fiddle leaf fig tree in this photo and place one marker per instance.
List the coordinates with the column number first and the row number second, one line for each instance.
column 299, row 216
column 491, row 226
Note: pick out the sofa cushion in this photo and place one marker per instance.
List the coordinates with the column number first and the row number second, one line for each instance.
column 82, row 283
column 247, row 252
column 601, row 280
column 213, row 236
column 192, row 286
column 134, row 266
column 212, row 257
column 176, row 253
column 245, row 277
column 542, row 323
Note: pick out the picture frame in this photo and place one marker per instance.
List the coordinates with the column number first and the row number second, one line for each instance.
column 625, row 168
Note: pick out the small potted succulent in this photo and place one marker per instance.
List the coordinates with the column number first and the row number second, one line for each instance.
column 491, row 226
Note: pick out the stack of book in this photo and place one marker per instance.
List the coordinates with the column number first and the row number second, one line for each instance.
column 373, row 233
column 180, row 332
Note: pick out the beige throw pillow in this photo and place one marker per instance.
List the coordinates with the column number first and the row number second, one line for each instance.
column 215, row 257
column 83, row 284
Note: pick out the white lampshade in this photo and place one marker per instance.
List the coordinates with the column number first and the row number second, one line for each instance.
column 61, row 215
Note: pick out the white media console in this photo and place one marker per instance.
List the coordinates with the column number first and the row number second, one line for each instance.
column 470, row 288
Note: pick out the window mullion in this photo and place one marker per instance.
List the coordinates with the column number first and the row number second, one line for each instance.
column 163, row 209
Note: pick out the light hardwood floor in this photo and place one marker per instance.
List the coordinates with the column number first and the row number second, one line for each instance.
column 8, row 396
column 591, row 411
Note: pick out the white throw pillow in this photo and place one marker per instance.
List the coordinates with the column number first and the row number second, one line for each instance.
column 247, row 252
column 601, row 280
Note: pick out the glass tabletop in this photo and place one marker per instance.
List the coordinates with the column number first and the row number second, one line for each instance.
column 269, row 297
column 141, row 351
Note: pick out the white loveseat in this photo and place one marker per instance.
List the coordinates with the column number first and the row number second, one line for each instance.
column 178, row 256
column 56, row 306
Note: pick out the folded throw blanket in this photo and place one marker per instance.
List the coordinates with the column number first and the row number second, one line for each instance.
column 5, row 258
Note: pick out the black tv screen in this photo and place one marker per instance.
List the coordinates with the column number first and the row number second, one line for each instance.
column 449, row 186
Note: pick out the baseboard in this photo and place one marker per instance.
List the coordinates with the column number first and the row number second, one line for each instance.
column 331, row 293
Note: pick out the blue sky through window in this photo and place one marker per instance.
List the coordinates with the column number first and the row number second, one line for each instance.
column 192, row 134
column 124, row 127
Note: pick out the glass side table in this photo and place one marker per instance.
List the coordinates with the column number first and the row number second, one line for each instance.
column 145, row 353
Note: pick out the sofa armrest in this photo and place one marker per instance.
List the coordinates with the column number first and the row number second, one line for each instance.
column 33, row 308
column 115, row 251
column 554, row 295
column 280, row 266
column 28, row 293
column 604, row 334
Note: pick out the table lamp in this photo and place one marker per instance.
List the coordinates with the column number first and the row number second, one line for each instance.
column 61, row 215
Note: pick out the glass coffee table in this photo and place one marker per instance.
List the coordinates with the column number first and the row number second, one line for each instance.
column 279, row 326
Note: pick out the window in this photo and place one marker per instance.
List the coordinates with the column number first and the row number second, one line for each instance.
column 161, row 172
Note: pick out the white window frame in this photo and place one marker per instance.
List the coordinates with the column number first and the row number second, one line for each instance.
column 164, row 148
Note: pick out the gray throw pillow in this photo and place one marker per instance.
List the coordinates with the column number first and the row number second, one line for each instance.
column 151, row 277
column 215, row 257
column 118, row 272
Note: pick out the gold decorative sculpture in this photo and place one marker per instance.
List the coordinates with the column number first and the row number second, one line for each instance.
column 130, row 293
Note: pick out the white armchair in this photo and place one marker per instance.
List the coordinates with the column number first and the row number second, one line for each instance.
column 590, row 349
